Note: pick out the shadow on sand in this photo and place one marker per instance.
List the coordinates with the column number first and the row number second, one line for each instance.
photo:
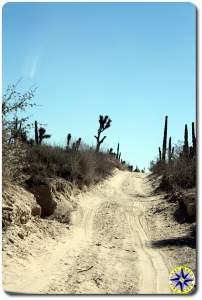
column 181, row 241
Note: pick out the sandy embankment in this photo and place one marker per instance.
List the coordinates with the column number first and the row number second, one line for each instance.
column 107, row 249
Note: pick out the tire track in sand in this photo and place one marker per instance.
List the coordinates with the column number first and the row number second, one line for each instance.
column 151, row 264
column 107, row 247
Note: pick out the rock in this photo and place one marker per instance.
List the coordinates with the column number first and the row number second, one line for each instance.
column 189, row 199
column 20, row 234
column 84, row 188
column 7, row 208
column 24, row 218
column 36, row 211
column 9, row 254
column 17, row 205
column 11, row 240
column 175, row 197
column 191, row 210
column 186, row 210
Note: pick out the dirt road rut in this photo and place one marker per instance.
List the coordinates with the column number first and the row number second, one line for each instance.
column 107, row 250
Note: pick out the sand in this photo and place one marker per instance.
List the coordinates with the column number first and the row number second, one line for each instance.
column 107, row 248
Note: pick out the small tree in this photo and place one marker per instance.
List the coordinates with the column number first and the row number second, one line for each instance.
column 14, row 131
column 105, row 123
column 42, row 135
column 18, row 132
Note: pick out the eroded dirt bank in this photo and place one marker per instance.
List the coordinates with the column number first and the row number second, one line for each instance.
column 109, row 247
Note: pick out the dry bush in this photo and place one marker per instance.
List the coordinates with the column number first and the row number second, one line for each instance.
column 179, row 173
column 13, row 132
column 104, row 165
column 13, row 160
column 182, row 173
column 22, row 158
column 81, row 167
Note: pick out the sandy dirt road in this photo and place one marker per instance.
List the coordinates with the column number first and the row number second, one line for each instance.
column 106, row 251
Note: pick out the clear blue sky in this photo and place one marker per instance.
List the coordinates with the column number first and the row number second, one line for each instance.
column 132, row 61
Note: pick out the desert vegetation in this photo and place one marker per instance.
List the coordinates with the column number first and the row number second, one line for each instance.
column 49, row 174
column 14, row 132
column 176, row 170
column 104, row 123
column 27, row 153
column 176, row 164
column 42, row 187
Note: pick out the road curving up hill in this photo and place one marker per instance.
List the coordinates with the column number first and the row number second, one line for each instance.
column 107, row 249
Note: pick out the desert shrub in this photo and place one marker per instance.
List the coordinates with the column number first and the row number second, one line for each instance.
column 23, row 159
column 14, row 132
column 47, row 161
column 86, row 166
column 179, row 173
column 13, row 160
column 104, row 165
column 182, row 173
column 83, row 167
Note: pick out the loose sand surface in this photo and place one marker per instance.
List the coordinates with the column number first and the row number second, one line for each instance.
column 107, row 248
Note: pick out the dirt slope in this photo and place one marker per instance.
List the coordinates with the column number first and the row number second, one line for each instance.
column 107, row 249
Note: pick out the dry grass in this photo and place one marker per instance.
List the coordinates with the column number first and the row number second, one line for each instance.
column 83, row 167
column 178, row 174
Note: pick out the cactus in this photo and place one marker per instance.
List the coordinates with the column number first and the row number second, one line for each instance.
column 36, row 133
column 186, row 143
column 117, row 152
column 172, row 152
column 18, row 131
column 77, row 145
column 110, row 150
column 160, row 157
column 169, row 149
column 137, row 169
column 42, row 135
column 119, row 156
column 68, row 140
column 105, row 123
column 74, row 146
column 193, row 140
column 165, row 139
